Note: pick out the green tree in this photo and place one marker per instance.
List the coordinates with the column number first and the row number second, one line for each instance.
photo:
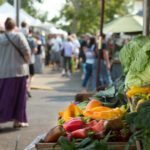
column 2, row 1
column 84, row 15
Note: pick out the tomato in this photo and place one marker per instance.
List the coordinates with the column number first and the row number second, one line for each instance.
column 99, row 126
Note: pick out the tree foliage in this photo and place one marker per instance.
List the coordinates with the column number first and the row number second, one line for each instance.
column 84, row 15
column 27, row 5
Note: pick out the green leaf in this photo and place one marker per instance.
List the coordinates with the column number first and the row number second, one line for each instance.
column 61, row 121
column 109, row 92
column 83, row 105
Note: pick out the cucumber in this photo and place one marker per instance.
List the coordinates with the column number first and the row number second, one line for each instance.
column 84, row 143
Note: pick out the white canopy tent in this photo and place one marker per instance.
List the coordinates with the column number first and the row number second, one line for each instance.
column 7, row 10
column 54, row 30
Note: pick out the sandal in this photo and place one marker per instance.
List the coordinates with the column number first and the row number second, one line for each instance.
column 25, row 124
column 17, row 125
column 20, row 124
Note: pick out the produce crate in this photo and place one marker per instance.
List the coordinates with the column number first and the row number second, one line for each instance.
column 83, row 97
column 116, row 145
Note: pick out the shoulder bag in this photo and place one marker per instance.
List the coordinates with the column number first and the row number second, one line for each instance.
column 18, row 50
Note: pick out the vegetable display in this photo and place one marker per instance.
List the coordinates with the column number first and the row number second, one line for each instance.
column 89, row 125
column 134, row 57
column 140, row 120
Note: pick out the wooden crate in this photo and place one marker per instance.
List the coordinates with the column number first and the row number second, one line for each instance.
column 116, row 145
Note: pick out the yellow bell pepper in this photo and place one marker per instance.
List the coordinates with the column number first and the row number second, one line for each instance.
column 105, row 113
column 134, row 90
column 93, row 104
column 70, row 112
column 101, row 108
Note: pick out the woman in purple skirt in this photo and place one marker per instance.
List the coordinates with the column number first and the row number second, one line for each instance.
column 14, row 58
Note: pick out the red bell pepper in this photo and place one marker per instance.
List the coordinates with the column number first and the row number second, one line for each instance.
column 73, row 124
column 80, row 133
column 99, row 126
column 91, row 124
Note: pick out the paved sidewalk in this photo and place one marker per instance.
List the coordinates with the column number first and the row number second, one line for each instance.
column 42, row 108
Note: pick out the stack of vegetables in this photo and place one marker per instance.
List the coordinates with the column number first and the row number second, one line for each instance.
column 90, row 120
column 134, row 57
column 139, row 119
column 93, row 124
column 138, row 95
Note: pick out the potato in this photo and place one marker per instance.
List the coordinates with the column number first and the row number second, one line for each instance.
column 54, row 134
column 113, row 124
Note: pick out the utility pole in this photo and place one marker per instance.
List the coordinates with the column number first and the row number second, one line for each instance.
column 146, row 20
column 100, row 42
column 17, row 13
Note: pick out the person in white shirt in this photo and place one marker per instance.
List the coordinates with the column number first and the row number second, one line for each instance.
column 76, row 45
column 55, row 51
column 24, row 28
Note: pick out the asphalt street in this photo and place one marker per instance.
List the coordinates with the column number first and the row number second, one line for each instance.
column 42, row 108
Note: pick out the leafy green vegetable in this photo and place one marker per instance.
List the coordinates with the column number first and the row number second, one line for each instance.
column 65, row 144
column 86, row 144
column 134, row 55
column 134, row 58
column 114, row 95
column 135, row 136
column 109, row 92
column 140, row 120
column 83, row 105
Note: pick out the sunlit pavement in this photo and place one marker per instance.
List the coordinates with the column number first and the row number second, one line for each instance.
column 42, row 108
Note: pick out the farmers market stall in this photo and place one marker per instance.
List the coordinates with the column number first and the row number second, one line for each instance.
column 116, row 118
column 135, row 24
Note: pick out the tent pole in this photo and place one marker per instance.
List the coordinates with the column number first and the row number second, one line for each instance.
column 100, row 43
column 17, row 13
column 146, row 20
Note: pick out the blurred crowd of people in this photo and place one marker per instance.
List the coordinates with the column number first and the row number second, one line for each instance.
column 69, row 53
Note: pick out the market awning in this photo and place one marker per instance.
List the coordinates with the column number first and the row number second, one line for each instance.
column 130, row 23
column 24, row 16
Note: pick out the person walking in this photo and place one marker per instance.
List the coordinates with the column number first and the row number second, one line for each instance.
column 84, row 43
column 38, row 65
column 33, row 46
column 55, row 52
column 89, row 53
column 76, row 45
column 105, row 77
column 68, row 52
column 14, row 69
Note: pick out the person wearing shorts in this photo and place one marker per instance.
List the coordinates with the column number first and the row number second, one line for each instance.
column 33, row 47
column 55, row 51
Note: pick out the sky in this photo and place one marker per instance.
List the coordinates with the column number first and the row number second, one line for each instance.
column 52, row 6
